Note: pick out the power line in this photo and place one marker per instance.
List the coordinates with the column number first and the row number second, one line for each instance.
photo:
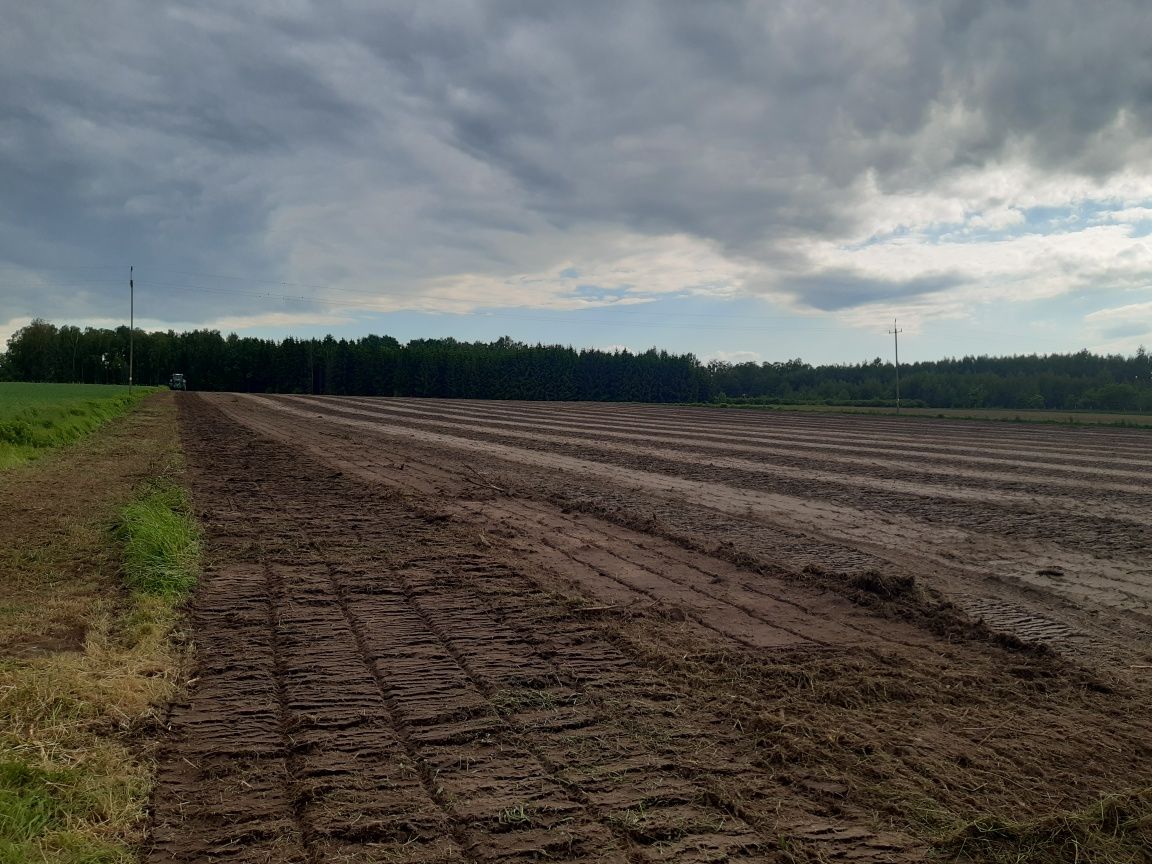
column 74, row 267
column 378, row 307
column 248, row 279
column 412, row 290
column 786, row 324
column 651, row 317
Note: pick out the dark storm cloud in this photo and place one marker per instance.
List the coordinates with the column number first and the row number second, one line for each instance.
column 1054, row 75
column 1133, row 328
column 831, row 291
column 225, row 137
column 129, row 135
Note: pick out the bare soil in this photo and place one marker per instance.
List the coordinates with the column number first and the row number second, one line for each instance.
column 459, row 631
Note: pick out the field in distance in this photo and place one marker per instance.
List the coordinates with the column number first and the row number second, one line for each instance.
column 1020, row 415
column 34, row 417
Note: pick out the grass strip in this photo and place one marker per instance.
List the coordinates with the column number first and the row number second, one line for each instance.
column 161, row 541
column 73, row 785
column 1115, row 830
column 37, row 417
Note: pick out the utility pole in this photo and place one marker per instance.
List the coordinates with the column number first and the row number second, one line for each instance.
column 896, row 331
column 131, row 327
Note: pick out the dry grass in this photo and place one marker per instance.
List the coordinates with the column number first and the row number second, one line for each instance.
column 85, row 664
column 69, row 724
column 1115, row 830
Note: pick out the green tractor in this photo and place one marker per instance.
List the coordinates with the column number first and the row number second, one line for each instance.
column 177, row 382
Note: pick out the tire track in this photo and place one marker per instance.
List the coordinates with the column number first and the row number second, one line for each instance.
column 869, row 434
column 446, row 696
column 833, row 501
column 779, row 548
column 962, row 562
column 710, row 438
column 500, row 757
column 223, row 780
column 350, row 788
column 1114, row 501
column 472, row 761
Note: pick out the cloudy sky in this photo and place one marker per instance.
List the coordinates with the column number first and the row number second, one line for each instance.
column 737, row 179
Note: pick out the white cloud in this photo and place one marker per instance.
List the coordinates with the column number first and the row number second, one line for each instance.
column 611, row 269
column 287, row 320
column 970, row 231
column 1127, row 215
column 9, row 327
column 735, row 356
column 1132, row 312
column 1121, row 329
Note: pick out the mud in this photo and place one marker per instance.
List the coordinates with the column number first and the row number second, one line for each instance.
column 422, row 640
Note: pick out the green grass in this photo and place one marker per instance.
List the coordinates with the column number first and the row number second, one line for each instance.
column 37, row 417
column 161, row 541
column 37, row 804
column 29, row 804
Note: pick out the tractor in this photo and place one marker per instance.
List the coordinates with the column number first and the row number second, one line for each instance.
column 177, row 382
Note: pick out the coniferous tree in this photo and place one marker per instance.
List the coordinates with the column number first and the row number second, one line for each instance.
column 508, row 369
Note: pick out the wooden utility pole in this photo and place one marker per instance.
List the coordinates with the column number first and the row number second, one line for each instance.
column 131, row 327
column 896, row 331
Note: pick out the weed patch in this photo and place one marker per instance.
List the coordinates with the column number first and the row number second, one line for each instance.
column 161, row 542
column 883, row 585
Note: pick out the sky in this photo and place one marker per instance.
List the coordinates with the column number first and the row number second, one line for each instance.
column 741, row 180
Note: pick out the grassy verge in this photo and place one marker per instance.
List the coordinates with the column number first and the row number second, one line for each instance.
column 76, row 710
column 37, row 417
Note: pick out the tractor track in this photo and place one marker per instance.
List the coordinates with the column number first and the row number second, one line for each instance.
column 1105, row 450
column 792, row 449
column 412, row 652
column 981, row 504
column 1070, row 554
column 406, row 720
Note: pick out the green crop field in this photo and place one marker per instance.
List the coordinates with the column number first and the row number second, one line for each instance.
column 35, row 417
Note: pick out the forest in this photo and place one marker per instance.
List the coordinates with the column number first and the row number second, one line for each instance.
column 507, row 369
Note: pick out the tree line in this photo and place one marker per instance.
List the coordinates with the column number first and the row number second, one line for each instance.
column 507, row 369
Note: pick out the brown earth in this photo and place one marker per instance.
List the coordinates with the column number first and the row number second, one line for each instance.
column 439, row 631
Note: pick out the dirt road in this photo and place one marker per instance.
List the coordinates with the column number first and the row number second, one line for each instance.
column 464, row 631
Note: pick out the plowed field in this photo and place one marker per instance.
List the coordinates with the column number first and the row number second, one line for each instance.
column 452, row 631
